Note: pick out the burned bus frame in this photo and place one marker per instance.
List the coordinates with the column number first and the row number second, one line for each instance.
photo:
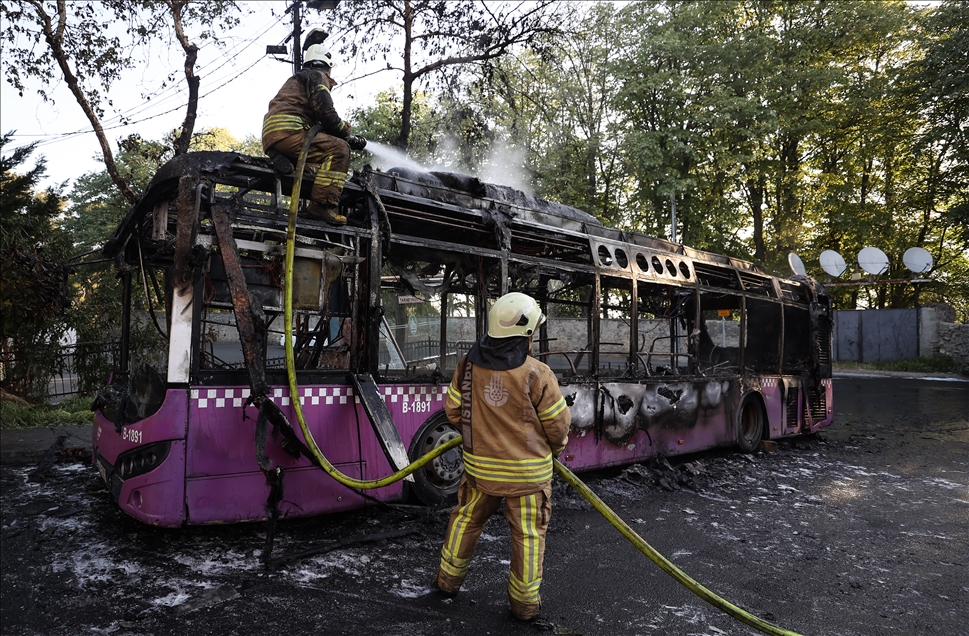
column 631, row 332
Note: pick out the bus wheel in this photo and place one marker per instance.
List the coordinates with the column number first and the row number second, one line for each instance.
column 437, row 482
column 750, row 423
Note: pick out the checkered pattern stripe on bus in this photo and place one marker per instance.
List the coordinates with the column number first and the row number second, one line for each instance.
column 771, row 382
column 219, row 398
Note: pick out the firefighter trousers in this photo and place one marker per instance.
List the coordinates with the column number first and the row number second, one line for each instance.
column 329, row 156
column 528, row 517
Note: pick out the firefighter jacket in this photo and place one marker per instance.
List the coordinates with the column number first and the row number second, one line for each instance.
column 302, row 102
column 513, row 421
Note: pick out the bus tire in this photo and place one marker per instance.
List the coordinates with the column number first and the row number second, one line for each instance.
column 750, row 422
column 437, row 482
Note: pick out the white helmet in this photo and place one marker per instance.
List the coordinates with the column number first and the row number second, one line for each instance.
column 514, row 314
column 320, row 54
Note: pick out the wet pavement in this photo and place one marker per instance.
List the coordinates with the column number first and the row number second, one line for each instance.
column 862, row 529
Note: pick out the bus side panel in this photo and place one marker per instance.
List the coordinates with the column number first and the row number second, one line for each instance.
column 828, row 420
column 409, row 406
column 156, row 496
column 772, row 390
column 222, row 435
column 638, row 421
column 168, row 423
column 225, row 483
column 243, row 497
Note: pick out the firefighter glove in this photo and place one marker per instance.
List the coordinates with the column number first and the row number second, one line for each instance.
column 356, row 142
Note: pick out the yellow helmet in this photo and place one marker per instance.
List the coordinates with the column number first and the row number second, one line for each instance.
column 514, row 314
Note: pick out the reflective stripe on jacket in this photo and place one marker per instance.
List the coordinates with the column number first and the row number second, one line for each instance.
column 519, row 420
column 302, row 102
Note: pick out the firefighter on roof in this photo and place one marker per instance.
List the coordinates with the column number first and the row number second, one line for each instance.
column 513, row 419
column 303, row 102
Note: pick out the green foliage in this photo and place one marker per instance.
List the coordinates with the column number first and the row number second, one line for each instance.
column 71, row 412
column 381, row 122
column 547, row 111
column 34, row 290
column 223, row 140
column 49, row 42
column 777, row 126
column 938, row 363
column 95, row 210
column 425, row 39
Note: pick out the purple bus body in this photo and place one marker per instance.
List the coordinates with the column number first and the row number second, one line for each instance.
column 210, row 474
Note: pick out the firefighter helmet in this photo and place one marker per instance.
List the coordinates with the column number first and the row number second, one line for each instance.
column 318, row 54
column 514, row 314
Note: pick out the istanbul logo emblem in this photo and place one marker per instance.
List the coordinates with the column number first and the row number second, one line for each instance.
column 495, row 393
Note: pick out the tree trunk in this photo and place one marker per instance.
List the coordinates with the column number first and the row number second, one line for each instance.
column 403, row 140
column 54, row 40
column 755, row 195
column 184, row 140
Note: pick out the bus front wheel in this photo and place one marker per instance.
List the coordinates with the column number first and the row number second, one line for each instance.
column 436, row 483
column 750, row 423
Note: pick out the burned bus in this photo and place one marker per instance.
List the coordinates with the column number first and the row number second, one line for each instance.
column 660, row 349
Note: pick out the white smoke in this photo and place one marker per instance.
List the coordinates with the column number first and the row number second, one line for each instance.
column 506, row 166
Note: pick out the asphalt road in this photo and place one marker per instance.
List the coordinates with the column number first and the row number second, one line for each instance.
column 861, row 530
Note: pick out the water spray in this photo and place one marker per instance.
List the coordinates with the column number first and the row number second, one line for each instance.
column 390, row 157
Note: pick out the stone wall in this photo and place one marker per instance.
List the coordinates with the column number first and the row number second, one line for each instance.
column 954, row 342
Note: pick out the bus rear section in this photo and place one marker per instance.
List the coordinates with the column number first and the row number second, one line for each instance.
column 660, row 349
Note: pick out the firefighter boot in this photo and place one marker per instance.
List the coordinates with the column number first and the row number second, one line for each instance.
column 281, row 162
column 444, row 586
column 325, row 212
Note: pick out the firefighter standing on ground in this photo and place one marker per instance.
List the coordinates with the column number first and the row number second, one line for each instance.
column 303, row 102
column 513, row 419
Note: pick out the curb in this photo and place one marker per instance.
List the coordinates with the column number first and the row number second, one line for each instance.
column 906, row 375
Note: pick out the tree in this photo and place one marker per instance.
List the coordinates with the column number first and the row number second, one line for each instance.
column 555, row 108
column 75, row 41
column 422, row 38
column 782, row 107
column 689, row 106
column 936, row 187
column 95, row 210
column 381, row 122
column 34, row 290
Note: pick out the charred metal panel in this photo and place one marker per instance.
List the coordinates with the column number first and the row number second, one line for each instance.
column 309, row 290
column 765, row 320
column 381, row 420
column 470, row 192
column 188, row 202
column 792, row 409
column 617, row 410
column 249, row 316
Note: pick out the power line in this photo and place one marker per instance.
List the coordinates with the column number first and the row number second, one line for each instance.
column 180, row 89
column 121, row 120
column 71, row 135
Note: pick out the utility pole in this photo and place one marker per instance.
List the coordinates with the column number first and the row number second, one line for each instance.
column 297, row 36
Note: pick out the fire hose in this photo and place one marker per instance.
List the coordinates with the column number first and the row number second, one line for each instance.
column 368, row 484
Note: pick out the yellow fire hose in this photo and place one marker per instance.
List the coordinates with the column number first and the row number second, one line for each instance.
column 368, row 484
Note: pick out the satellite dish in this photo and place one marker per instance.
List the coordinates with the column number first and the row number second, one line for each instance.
column 832, row 263
column 873, row 260
column 917, row 260
column 797, row 265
